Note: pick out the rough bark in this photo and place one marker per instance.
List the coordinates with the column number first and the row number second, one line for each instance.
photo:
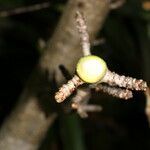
column 29, row 121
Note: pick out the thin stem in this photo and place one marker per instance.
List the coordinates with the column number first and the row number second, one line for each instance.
column 115, row 4
column 80, row 103
column 26, row 9
column 114, row 79
column 82, row 29
column 79, row 100
column 67, row 89
column 82, row 96
column 114, row 91
column 92, row 108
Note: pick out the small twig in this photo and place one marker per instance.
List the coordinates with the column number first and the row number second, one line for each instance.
column 115, row 4
column 82, row 29
column 82, row 96
column 25, row 9
column 98, row 41
column 80, row 103
column 113, row 78
column 82, row 113
column 79, row 100
column 83, row 110
column 67, row 89
column 114, row 91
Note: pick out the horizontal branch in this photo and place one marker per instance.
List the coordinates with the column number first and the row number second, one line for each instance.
column 24, row 9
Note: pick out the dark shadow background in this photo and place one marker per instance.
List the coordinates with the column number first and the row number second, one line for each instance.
column 122, row 124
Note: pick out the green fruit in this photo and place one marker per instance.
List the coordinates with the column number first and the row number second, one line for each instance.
column 91, row 69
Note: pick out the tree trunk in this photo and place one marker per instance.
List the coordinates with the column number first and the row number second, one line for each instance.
column 30, row 120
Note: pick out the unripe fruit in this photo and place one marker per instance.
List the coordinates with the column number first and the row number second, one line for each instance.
column 91, row 69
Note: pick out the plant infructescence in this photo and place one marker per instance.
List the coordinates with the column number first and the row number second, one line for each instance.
column 93, row 70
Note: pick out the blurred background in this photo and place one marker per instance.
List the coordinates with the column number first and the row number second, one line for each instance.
column 126, row 49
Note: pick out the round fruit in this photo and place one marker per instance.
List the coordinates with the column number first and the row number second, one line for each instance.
column 91, row 69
